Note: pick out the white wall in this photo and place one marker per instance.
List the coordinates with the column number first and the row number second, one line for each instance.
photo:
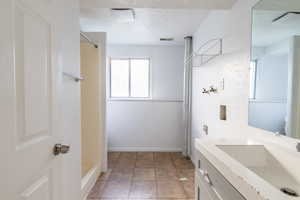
column 150, row 125
column 234, row 26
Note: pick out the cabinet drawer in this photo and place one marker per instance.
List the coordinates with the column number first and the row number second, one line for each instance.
column 213, row 178
column 204, row 191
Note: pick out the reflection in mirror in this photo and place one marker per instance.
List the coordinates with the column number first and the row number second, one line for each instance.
column 274, row 92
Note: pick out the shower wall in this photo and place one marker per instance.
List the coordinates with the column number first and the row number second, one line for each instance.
column 91, row 110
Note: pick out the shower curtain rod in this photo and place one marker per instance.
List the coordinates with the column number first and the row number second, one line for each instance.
column 285, row 14
column 88, row 39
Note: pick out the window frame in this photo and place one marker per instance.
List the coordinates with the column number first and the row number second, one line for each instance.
column 254, row 80
column 129, row 74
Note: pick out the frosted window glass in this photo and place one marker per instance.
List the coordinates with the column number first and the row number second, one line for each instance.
column 139, row 78
column 252, row 87
column 119, row 78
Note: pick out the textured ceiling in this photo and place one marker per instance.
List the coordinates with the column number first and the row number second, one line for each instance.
column 148, row 27
column 278, row 5
column 194, row 4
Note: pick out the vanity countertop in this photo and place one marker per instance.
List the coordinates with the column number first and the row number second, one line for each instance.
column 247, row 182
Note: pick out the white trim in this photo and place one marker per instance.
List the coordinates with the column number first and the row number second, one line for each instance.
column 88, row 181
column 129, row 98
column 103, row 112
column 145, row 149
column 150, row 100
column 268, row 100
column 255, row 66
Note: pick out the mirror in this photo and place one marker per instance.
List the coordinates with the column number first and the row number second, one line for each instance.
column 274, row 92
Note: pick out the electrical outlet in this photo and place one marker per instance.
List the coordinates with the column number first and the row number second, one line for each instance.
column 222, row 84
column 205, row 129
column 223, row 114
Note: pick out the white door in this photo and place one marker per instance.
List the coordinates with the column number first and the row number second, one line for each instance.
column 31, row 62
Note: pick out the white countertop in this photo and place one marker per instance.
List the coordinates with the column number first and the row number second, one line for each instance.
column 249, row 184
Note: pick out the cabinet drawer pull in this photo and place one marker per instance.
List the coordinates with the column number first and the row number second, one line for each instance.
column 205, row 176
column 207, row 179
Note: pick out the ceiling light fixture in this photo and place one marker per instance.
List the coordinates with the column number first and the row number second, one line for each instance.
column 166, row 39
column 123, row 15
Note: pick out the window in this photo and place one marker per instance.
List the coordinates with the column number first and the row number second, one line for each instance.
column 252, row 88
column 130, row 78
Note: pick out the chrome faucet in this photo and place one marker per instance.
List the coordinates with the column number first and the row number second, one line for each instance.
column 298, row 147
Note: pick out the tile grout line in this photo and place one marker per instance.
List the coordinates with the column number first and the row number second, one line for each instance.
column 172, row 159
column 156, row 179
column 132, row 178
column 131, row 184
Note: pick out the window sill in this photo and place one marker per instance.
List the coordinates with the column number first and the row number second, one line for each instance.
column 144, row 99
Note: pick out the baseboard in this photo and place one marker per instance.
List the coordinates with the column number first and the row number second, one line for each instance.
column 144, row 149
column 88, row 181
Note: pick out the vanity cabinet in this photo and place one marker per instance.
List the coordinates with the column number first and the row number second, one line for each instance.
column 211, row 184
column 203, row 191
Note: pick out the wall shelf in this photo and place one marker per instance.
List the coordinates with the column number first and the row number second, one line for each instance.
column 206, row 52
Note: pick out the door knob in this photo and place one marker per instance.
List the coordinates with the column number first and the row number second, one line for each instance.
column 59, row 148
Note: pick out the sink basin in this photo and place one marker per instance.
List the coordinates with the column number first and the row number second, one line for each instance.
column 269, row 164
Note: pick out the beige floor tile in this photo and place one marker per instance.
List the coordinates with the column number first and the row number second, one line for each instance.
column 170, row 189
column 164, row 174
column 127, row 158
column 145, row 156
column 186, row 173
column 141, row 174
column 145, row 176
column 105, row 176
column 97, row 190
column 145, row 164
column 183, row 164
column 168, row 164
column 116, row 189
column 145, row 199
column 189, row 188
column 143, row 189
column 121, row 174
column 128, row 155
column 111, row 164
column 163, row 199
column 113, row 155
column 161, row 156
column 125, row 163
column 110, row 199
column 177, row 155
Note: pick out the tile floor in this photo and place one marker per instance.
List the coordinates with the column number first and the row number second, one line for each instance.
column 145, row 175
